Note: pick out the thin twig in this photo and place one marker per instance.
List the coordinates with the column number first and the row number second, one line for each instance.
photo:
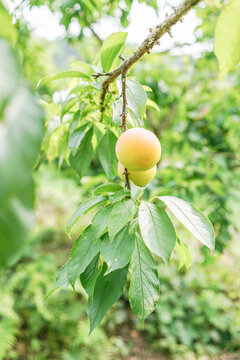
column 124, row 121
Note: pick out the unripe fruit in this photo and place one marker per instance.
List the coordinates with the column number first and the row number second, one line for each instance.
column 139, row 178
column 138, row 149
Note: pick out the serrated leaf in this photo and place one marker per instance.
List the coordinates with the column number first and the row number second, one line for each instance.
column 227, row 37
column 107, row 188
column 63, row 75
column 122, row 212
column 107, row 291
column 83, row 209
column 157, row 230
column 117, row 253
column 106, row 154
column 82, row 253
column 111, row 48
column 89, row 276
column 192, row 218
column 82, row 160
column 100, row 222
column 144, row 283
column 75, row 138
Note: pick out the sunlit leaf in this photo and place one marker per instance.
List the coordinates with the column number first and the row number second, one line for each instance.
column 63, row 75
column 157, row 230
column 111, row 48
column 192, row 218
column 227, row 37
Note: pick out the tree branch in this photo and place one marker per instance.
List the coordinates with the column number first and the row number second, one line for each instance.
column 151, row 40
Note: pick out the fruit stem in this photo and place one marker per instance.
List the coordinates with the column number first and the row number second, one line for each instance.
column 124, row 120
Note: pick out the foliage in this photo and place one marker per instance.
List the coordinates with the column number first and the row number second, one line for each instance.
column 35, row 329
column 227, row 35
column 132, row 227
column 21, row 134
column 194, row 313
column 197, row 313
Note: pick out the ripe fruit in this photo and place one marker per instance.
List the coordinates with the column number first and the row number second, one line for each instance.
column 138, row 149
column 139, row 178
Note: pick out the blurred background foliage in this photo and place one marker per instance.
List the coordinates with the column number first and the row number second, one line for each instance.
column 198, row 314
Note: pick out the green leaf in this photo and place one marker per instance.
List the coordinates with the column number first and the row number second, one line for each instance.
column 117, row 111
column 107, row 188
column 144, row 283
column 75, row 138
column 7, row 30
column 63, row 75
column 152, row 105
column 107, row 291
column 136, row 98
column 100, row 222
column 119, row 196
column 106, row 154
column 61, row 281
column 227, row 37
column 192, row 218
column 82, row 160
column 89, row 276
column 184, row 255
column 157, row 230
column 82, row 253
column 62, row 278
column 83, row 67
column 133, row 120
column 136, row 191
column 111, row 48
column 117, row 253
column 83, row 209
column 122, row 212
column 21, row 132
column 134, row 226
column 147, row 88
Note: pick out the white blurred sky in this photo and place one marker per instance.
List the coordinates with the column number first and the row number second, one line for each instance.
column 46, row 25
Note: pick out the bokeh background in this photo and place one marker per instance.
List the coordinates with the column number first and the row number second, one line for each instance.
column 198, row 314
